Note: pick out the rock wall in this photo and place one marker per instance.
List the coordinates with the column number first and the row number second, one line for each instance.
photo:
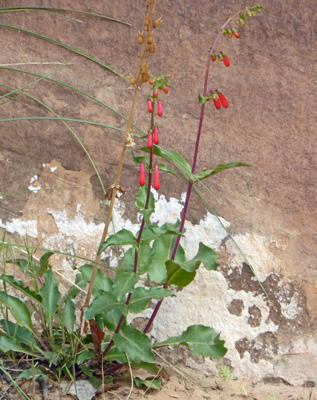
column 270, row 209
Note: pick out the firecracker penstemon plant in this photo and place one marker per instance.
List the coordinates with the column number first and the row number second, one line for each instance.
column 155, row 255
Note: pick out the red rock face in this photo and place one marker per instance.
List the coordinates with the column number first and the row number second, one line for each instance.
column 269, row 123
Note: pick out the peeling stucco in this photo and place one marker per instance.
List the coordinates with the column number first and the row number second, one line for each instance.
column 229, row 300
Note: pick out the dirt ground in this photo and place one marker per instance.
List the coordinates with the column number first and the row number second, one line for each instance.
column 183, row 384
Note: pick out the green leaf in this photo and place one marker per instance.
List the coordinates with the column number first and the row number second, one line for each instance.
column 141, row 203
column 114, row 354
column 18, row 285
column 163, row 250
column 121, row 238
column 141, row 199
column 44, row 262
column 69, row 315
column 84, row 356
column 96, row 383
column 179, row 162
column 140, row 297
column 50, row 296
column 112, row 318
column 32, row 373
column 203, row 100
column 177, row 276
column 18, row 309
column 220, row 167
column 164, row 168
column 150, row 367
column 151, row 383
column 101, row 283
column 20, row 334
column 124, row 283
column 204, row 255
column 104, row 303
column 145, row 258
column 135, row 343
column 202, row 340
column 11, row 344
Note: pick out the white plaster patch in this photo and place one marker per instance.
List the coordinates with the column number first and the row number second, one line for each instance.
column 256, row 250
column 290, row 309
column 53, row 169
column 23, row 228
column 166, row 211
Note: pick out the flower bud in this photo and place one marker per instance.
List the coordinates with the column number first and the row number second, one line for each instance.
column 149, row 106
column 142, row 174
column 156, row 136
column 149, row 140
column 226, row 61
column 217, row 103
column 223, row 100
column 159, row 108
column 156, row 178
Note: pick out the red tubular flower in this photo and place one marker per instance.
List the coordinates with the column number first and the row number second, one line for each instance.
column 217, row 104
column 149, row 140
column 142, row 174
column 149, row 106
column 223, row 100
column 226, row 61
column 156, row 137
column 237, row 35
column 156, row 178
column 159, row 108
column 155, row 93
column 165, row 90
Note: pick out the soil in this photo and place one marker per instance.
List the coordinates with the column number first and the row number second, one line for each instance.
column 183, row 384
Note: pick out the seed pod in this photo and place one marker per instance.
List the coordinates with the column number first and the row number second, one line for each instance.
column 156, row 178
column 149, row 106
column 156, row 136
column 149, row 140
column 146, row 21
column 226, row 61
column 144, row 68
column 140, row 38
column 159, row 108
column 142, row 174
column 157, row 23
column 152, row 48
column 132, row 80
column 223, row 100
column 150, row 38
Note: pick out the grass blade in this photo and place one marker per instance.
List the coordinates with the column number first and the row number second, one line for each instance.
column 13, row 9
column 61, row 119
column 76, row 90
column 73, row 133
column 66, row 47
